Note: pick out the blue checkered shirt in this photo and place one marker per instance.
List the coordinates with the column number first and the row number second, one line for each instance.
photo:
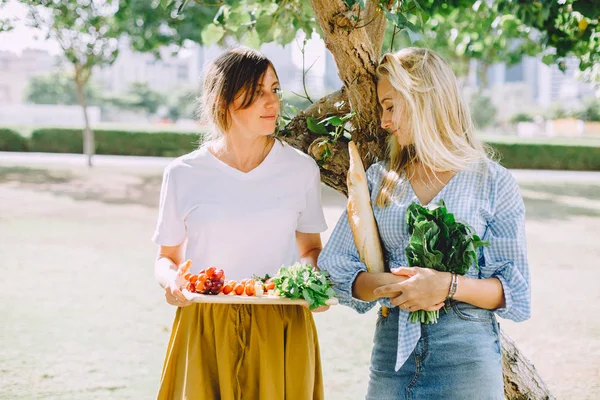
column 485, row 196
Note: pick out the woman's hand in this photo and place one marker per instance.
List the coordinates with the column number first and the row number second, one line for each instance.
column 425, row 289
column 318, row 309
column 173, row 292
column 392, row 283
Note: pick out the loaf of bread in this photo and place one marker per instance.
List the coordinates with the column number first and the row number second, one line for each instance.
column 360, row 214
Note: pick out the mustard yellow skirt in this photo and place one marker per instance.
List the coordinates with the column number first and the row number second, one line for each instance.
column 239, row 352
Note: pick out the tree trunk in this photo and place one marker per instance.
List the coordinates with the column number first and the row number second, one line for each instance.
column 356, row 61
column 521, row 380
column 88, row 134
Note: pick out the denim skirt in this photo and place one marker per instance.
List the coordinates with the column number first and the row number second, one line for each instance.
column 457, row 358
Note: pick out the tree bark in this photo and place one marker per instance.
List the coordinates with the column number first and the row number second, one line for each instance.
column 334, row 169
column 521, row 380
column 356, row 61
column 356, row 52
column 88, row 134
column 375, row 23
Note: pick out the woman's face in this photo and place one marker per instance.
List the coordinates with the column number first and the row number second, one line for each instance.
column 261, row 117
column 394, row 117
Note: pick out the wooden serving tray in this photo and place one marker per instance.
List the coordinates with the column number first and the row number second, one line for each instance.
column 243, row 299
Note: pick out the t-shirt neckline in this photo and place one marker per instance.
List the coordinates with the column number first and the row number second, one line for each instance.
column 258, row 171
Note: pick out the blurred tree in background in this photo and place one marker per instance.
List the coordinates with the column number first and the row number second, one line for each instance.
column 87, row 32
column 59, row 88
column 140, row 96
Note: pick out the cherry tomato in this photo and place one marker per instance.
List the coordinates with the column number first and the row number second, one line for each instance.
column 250, row 288
column 227, row 289
column 269, row 285
column 239, row 289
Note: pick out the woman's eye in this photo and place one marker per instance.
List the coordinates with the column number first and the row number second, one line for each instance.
column 390, row 108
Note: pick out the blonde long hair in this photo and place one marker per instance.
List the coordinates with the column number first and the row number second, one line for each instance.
column 441, row 130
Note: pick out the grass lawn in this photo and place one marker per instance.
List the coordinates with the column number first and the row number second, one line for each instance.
column 82, row 317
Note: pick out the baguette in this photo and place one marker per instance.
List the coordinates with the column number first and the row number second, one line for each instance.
column 360, row 214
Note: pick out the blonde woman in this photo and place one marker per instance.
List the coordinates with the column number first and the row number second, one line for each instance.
column 248, row 204
column 434, row 155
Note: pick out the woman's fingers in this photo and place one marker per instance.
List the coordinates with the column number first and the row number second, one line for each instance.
column 175, row 297
column 184, row 267
column 435, row 307
column 318, row 309
column 404, row 271
column 180, row 299
column 402, row 301
column 169, row 296
column 393, row 289
column 412, row 307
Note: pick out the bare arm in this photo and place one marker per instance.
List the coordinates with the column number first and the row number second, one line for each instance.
column 309, row 246
column 428, row 287
column 366, row 282
column 166, row 265
column 167, row 262
column 482, row 293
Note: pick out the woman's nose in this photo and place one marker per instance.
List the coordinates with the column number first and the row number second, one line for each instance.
column 385, row 123
column 272, row 100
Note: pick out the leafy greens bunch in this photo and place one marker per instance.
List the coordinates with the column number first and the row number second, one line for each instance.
column 439, row 242
column 301, row 281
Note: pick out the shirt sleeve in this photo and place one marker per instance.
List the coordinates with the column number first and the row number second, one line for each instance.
column 506, row 256
column 312, row 219
column 170, row 229
column 341, row 260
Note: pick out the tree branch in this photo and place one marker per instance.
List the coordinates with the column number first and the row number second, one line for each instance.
column 356, row 60
column 376, row 28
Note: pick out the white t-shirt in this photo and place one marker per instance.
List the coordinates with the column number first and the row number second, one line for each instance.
column 244, row 223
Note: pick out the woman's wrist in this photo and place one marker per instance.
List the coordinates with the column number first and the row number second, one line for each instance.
column 453, row 286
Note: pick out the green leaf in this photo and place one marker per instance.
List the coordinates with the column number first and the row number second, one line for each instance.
column 334, row 120
column 351, row 3
column 252, row 39
column 289, row 34
column 313, row 125
column 165, row 3
column 182, row 6
column 396, row 18
column 413, row 35
column 263, row 27
column 212, row 34
column 222, row 15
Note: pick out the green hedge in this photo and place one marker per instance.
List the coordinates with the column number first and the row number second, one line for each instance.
column 11, row 140
column 513, row 152
column 532, row 155
column 167, row 144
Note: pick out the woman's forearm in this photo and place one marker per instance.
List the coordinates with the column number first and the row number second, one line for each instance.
column 366, row 282
column 311, row 257
column 165, row 271
column 482, row 293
